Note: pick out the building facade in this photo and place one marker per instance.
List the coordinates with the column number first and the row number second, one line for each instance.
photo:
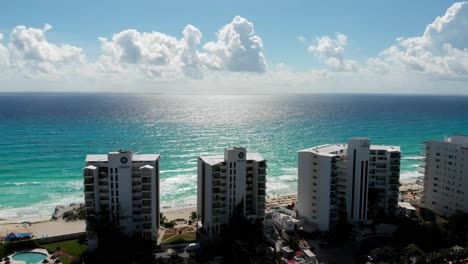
column 446, row 175
column 347, row 182
column 233, row 183
column 122, row 188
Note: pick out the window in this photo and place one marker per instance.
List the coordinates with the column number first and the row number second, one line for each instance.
column 116, row 170
column 117, row 177
column 111, row 170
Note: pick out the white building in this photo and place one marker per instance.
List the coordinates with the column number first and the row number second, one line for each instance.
column 231, row 183
column 347, row 181
column 446, row 175
column 125, row 188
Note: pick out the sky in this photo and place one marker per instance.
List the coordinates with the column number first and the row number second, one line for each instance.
column 235, row 47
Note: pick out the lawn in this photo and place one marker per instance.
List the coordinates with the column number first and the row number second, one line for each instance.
column 71, row 247
column 172, row 234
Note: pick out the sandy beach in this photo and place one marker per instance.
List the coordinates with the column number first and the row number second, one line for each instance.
column 60, row 227
column 173, row 214
column 46, row 228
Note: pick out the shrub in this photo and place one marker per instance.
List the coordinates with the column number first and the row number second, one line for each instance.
column 9, row 247
column 81, row 214
column 70, row 215
column 169, row 224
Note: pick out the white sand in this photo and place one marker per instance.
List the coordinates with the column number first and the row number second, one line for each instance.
column 50, row 228
column 173, row 214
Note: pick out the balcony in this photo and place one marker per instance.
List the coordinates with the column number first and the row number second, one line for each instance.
column 88, row 173
column 261, row 186
column 261, row 171
column 89, row 188
column 146, row 180
column 88, row 181
column 89, row 196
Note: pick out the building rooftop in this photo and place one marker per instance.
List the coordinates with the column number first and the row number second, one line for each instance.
column 136, row 157
column 387, row 148
column 330, row 149
column 406, row 205
column 326, row 150
column 213, row 160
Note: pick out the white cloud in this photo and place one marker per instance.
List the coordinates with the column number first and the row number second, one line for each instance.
column 30, row 51
column 237, row 49
column 156, row 54
column 301, row 39
column 331, row 50
column 4, row 54
column 442, row 50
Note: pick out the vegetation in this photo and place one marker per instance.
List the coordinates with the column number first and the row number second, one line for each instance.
column 162, row 219
column 169, row 224
column 9, row 247
column 193, row 216
column 425, row 239
column 75, row 248
column 74, row 215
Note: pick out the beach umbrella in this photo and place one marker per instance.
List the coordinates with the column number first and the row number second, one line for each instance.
column 45, row 261
column 57, row 261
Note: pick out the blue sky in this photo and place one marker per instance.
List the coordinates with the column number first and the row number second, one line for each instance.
column 370, row 27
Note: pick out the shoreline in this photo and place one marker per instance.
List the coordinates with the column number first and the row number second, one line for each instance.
column 184, row 211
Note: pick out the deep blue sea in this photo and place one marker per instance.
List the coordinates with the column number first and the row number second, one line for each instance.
column 44, row 137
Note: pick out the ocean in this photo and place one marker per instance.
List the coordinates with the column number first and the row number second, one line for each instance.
column 44, row 137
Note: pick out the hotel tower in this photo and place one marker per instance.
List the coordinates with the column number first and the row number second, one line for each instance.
column 123, row 188
column 233, row 183
column 446, row 175
column 347, row 182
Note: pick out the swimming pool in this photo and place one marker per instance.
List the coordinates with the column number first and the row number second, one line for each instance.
column 30, row 257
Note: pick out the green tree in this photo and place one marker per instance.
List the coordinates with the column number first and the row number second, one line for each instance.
column 193, row 216
column 162, row 219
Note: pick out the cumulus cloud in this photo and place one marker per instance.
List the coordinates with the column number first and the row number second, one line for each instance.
column 331, row 50
column 154, row 53
column 4, row 54
column 237, row 49
column 442, row 50
column 30, row 50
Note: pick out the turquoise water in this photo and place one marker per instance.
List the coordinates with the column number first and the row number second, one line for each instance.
column 44, row 138
column 30, row 257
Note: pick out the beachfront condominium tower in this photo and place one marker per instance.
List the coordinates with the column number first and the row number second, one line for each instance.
column 229, row 184
column 446, row 175
column 122, row 189
column 347, row 182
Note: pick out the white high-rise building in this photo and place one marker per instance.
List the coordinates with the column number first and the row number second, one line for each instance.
column 446, row 175
column 230, row 184
column 347, row 182
column 124, row 188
